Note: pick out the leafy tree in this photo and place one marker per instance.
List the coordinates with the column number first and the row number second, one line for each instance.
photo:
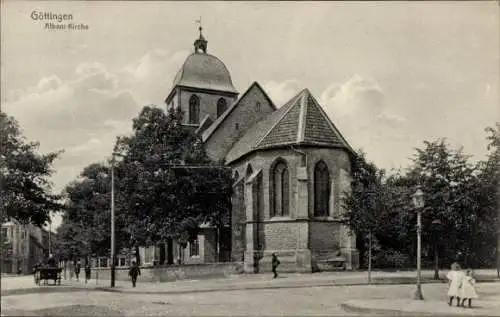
column 365, row 203
column 24, row 177
column 490, row 192
column 85, row 229
column 168, row 186
column 459, row 194
column 448, row 181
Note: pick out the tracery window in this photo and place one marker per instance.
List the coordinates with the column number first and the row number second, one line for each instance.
column 280, row 190
column 221, row 106
column 321, row 190
column 194, row 110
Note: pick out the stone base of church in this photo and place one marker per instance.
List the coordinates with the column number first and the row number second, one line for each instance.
column 251, row 263
column 351, row 256
column 298, row 261
column 304, row 260
column 328, row 260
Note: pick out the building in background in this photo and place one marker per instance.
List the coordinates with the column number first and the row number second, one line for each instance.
column 22, row 247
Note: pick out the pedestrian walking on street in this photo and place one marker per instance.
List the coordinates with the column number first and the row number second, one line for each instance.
column 78, row 267
column 87, row 272
column 468, row 291
column 36, row 274
column 275, row 262
column 134, row 272
column 455, row 277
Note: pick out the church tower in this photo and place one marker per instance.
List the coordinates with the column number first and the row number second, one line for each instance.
column 202, row 88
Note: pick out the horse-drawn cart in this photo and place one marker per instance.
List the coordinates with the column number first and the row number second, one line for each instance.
column 48, row 273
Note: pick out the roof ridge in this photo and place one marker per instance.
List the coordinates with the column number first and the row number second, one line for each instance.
column 291, row 102
column 332, row 126
column 217, row 122
column 301, row 131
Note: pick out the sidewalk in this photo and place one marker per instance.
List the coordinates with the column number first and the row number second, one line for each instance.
column 265, row 281
column 236, row 282
column 392, row 307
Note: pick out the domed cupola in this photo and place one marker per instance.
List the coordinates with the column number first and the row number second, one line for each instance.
column 204, row 78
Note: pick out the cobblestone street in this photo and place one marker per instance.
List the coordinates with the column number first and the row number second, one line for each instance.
column 303, row 301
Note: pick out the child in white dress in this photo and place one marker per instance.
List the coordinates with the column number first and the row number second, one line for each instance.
column 468, row 291
column 454, row 280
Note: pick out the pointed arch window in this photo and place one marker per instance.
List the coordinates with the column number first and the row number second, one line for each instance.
column 321, row 190
column 221, row 106
column 194, row 110
column 249, row 171
column 280, row 190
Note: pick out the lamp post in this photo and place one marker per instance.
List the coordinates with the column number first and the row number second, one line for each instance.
column 418, row 202
column 113, row 251
column 50, row 234
column 436, row 225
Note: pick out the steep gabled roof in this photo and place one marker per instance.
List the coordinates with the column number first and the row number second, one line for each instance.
column 210, row 130
column 205, row 124
column 301, row 121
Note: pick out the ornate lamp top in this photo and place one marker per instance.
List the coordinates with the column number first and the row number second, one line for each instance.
column 418, row 198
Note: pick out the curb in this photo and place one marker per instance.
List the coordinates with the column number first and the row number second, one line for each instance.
column 389, row 312
column 347, row 307
column 246, row 287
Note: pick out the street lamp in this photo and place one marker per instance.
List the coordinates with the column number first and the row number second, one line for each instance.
column 113, row 251
column 113, row 244
column 418, row 202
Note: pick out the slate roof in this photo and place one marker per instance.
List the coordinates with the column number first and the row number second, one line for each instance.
column 212, row 128
column 201, row 70
column 301, row 121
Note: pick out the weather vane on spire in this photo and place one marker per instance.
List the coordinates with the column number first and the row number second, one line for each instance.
column 200, row 43
column 199, row 23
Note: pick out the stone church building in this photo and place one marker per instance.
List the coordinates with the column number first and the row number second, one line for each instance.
column 291, row 167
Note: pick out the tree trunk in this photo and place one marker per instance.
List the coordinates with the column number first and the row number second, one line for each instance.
column 370, row 257
column 498, row 224
column 436, row 262
column 137, row 255
column 498, row 241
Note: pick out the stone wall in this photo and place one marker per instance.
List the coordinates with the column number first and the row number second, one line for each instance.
column 208, row 102
column 325, row 236
column 174, row 272
column 245, row 115
column 280, row 235
column 238, row 220
column 316, row 242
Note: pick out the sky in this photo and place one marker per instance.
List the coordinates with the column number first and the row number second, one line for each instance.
column 389, row 74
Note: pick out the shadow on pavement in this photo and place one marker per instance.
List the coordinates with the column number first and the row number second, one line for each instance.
column 73, row 310
column 44, row 289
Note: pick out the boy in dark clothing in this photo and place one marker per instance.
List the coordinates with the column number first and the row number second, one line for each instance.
column 134, row 272
column 87, row 272
column 275, row 263
column 77, row 270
